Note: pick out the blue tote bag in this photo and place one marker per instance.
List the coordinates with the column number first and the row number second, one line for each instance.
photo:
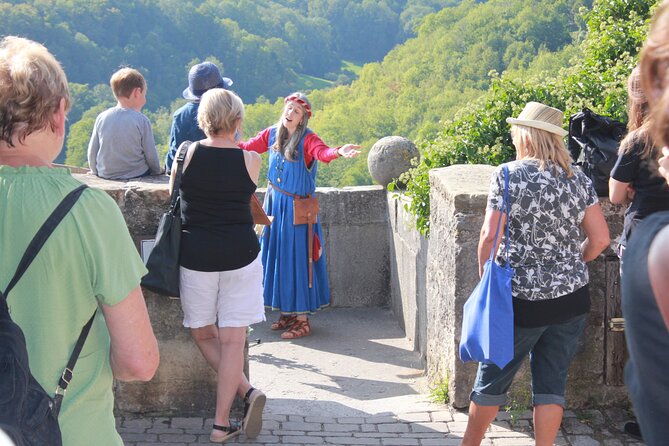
column 487, row 319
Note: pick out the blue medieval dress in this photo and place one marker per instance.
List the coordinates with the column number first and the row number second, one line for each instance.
column 283, row 245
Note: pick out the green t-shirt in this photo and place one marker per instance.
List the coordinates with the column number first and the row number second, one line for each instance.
column 89, row 258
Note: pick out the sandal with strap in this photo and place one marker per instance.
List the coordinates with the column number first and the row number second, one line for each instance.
column 228, row 433
column 284, row 322
column 254, row 403
column 298, row 330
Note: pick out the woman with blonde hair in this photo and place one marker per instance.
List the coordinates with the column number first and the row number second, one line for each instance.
column 550, row 203
column 220, row 269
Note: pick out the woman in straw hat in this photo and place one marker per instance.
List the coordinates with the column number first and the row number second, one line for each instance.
column 550, row 202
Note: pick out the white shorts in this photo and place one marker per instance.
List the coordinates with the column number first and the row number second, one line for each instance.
column 233, row 297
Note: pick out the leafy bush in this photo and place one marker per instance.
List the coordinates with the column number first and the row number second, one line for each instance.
column 480, row 135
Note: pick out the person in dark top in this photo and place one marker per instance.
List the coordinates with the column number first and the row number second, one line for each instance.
column 221, row 271
column 201, row 77
column 635, row 178
column 645, row 279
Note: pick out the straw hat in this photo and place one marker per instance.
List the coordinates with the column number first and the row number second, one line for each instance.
column 542, row 117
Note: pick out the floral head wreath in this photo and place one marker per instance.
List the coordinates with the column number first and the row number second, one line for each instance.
column 300, row 101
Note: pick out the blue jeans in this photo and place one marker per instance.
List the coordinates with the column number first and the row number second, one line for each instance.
column 551, row 349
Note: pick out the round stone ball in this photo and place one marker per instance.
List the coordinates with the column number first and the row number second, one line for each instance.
column 390, row 157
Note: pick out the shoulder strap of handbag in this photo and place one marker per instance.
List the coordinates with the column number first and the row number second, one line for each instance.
column 31, row 252
column 181, row 156
column 505, row 209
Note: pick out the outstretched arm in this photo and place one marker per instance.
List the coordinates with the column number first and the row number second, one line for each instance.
column 315, row 148
column 259, row 143
column 349, row 150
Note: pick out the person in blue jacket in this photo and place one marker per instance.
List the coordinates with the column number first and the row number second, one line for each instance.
column 201, row 78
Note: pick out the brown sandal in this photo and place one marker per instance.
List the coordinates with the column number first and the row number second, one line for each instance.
column 298, row 330
column 284, row 322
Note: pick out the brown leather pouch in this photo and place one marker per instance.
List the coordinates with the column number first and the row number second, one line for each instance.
column 305, row 210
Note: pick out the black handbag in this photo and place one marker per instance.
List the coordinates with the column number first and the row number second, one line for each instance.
column 163, row 262
column 593, row 144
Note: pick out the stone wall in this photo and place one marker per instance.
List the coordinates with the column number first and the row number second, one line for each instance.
column 457, row 209
column 457, row 200
column 408, row 262
column 355, row 222
column 375, row 258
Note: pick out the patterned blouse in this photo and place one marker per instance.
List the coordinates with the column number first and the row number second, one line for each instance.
column 547, row 209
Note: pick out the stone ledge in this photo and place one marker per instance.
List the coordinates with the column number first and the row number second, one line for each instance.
column 355, row 221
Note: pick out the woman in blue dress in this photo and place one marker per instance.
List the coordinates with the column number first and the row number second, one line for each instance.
column 294, row 152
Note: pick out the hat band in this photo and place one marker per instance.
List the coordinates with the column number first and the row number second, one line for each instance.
column 199, row 93
column 541, row 125
column 302, row 102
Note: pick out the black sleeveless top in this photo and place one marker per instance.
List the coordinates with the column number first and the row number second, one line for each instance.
column 217, row 226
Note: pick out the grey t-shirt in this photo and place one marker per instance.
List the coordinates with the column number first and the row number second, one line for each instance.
column 547, row 209
column 122, row 145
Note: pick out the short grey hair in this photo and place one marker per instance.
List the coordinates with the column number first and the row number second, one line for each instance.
column 32, row 84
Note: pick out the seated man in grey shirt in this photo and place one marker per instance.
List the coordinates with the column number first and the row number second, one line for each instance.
column 122, row 144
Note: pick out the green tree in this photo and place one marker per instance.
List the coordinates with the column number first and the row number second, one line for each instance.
column 616, row 30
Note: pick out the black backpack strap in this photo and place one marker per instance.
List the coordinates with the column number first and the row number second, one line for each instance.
column 32, row 250
column 66, row 376
column 43, row 234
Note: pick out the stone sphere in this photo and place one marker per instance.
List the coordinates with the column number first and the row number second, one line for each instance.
column 390, row 157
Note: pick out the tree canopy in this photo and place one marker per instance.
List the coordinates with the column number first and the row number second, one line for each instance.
column 595, row 78
column 263, row 45
column 425, row 81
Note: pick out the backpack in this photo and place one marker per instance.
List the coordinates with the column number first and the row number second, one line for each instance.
column 593, row 144
column 27, row 413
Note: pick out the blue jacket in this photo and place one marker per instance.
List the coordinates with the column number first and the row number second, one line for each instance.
column 184, row 128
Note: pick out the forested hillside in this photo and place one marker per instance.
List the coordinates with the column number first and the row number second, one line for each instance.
column 425, row 81
column 266, row 46
column 595, row 78
column 272, row 47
